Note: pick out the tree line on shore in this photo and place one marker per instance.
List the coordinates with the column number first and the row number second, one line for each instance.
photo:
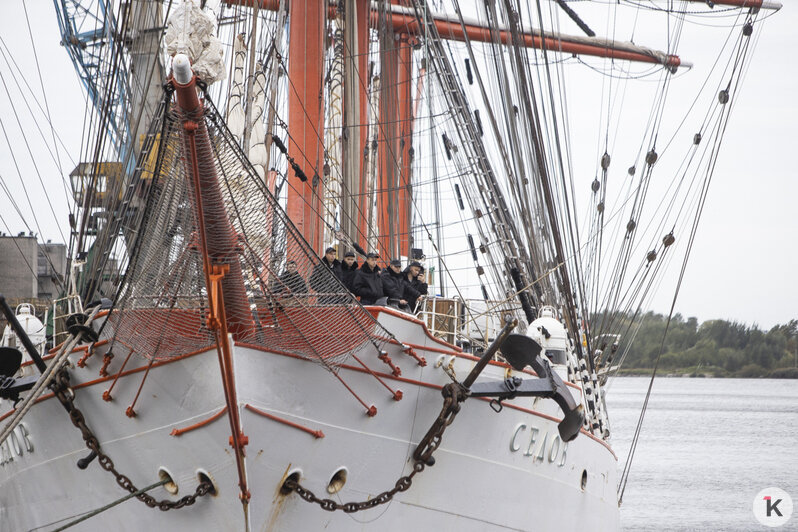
column 717, row 348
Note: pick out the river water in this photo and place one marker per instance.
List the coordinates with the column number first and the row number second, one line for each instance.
column 707, row 447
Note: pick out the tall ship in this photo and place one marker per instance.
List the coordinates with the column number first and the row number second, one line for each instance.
column 206, row 365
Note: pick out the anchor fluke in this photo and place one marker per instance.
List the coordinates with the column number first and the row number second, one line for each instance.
column 520, row 351
column 10, row 361
column 571, row 423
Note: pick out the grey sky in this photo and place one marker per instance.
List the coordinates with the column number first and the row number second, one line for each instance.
column 743, row 263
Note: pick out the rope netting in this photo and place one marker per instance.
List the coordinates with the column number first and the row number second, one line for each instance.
column 277, row 293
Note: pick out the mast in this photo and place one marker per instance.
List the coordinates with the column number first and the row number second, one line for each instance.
column 388, row 136
column 361, row 87
column 396, row 142
column 334, row 178
column 404, row 156
column 353, row 133
column 305, row 116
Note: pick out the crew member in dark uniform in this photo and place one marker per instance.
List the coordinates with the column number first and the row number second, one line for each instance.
column 290, row 282
column 393, row 284
column 415, row 284
column 367, row 284
column 348, row 270
column 322, row 282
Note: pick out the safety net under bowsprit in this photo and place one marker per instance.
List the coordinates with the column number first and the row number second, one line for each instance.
column 278, row 295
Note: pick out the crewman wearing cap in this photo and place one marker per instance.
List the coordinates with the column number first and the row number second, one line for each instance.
column 393, row 285
column 367, row 284
column 415, row 283
column 321, row 281
column 348, row 270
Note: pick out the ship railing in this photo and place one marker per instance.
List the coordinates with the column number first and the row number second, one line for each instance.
column 61, row 309
column 471, row 324
column 442, row 315
column 483, row 320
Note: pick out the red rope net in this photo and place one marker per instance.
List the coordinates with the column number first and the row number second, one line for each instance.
column 277, row 292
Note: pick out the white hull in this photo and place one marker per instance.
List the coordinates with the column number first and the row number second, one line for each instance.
column 487, row 476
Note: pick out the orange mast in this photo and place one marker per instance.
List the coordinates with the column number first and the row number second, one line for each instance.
column 363, row 8
column 305, row 116
column 388, row 150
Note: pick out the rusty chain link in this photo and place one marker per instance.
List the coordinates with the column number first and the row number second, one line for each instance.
column 453, row 395
column 66, row 395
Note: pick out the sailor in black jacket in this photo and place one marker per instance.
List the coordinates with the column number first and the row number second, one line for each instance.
column 322, row 281
column 290, row 282
column 415, row 283
column 367, row 284
column 319, row 281
column 348, row 270
column 393, row 284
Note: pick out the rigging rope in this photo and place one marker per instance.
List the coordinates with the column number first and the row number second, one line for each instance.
column 741, row 55
column 97, row 511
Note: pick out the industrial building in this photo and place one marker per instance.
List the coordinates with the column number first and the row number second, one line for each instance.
column 31, row 271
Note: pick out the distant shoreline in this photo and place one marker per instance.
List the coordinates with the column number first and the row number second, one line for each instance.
column 711, row 373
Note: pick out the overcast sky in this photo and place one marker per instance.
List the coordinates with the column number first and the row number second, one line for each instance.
column 744, row 263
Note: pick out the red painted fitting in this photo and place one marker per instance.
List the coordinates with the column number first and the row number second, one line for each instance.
column 397, row 395
column 315, row 433
column 187, row 94
column 82, row 362
column 130, row 412
column 244, row 440
column 217, row 415
column 394, row 369
column 412, row 352
column 107, row 393
column 107, row 358
column 393, row 393
column 372, row 411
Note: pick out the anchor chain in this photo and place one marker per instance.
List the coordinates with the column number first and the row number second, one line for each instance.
column 453, row 395
column 66, row 395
